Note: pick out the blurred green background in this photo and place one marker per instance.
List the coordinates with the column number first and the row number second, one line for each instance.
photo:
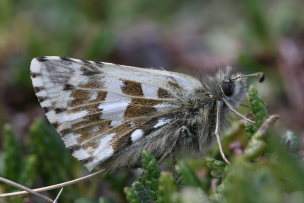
column 178, row 35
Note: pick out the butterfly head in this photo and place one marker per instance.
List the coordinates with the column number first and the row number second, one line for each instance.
column 233, row 88
column 234, row 85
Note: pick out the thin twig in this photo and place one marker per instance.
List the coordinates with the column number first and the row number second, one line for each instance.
column 28, row 190
column 266, row 124
column 51, row 187
column 59, row 193
column 217, row 134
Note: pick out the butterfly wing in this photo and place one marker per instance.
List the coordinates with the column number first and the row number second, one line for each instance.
column 99, row 109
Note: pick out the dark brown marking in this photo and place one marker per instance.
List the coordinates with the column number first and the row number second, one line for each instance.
column 86, row 62
column 33, row 75
column 86, row 134
column 122, row 139
column 55, row 124
column 41, row 59
column 87, row 160
column 98, row 62
column 46, row 109
column 42, row 99
column 162, row 93
column 101, row 95
column 81, row 94
column 59, row 110
column 93, row 118
column 132, row 88
column 89, row 72
column 121, row 129
column 74, row 148
column 92, row 108
column 88, row 129
column 92, row 85
column 66, row 59
column 65, row 131
column 120, row 142
column 147, row 128
column 138, row 111
column 174, row 85
column 68, row 87
column 145, row 102
column 38, row 89
column 90, row 144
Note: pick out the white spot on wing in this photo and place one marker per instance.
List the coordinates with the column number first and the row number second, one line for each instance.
column 116, row 122
column 70, row 140
column 73, row 116
column 55, row 58
column 161, row 122
column 93, row 95
column 81, row 154
column 162, row 106
column 41, row 93
column 137, row 134
column 76, row 60
column 149, row 91
column 113, row 85
column 37, row 82
column 35, row 66
column 113, row 108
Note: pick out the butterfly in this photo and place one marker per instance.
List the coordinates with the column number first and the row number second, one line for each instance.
column 108, row 114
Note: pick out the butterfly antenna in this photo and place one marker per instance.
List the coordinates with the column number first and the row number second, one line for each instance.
column 217, row 134
column 260, row 75
column 236, row 112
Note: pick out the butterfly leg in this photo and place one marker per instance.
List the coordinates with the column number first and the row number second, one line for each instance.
column 182, row 132
column 217, row 134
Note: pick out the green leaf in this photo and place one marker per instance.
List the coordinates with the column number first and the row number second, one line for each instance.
column 217, row 167
column 254, row 149
column 167, row 188
column 258, row 107
column 29, row 174
column 189, row 178
column 13, row 163
column 150, row 177
column 46, row 145
column 250, row 129
column 138, row 193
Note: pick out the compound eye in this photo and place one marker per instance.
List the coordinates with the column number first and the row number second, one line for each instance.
column 228, row 88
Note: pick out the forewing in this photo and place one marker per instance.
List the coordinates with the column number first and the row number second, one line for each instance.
column 99, row 108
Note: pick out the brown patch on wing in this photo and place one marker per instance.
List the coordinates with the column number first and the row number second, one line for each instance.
column 122, row 138
column 89, row 119
column 174, row 85
column 134, row 110
column 101, row 95
column 89, row 132
column 88, row 69
column 162, row 93
column 91, row 108
column 87, row 160
column 121, row 142
column 91, row 144
column 145, row 102
column 132, row 88
column 80, row 94
column 91, row 85
column 65, row 132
